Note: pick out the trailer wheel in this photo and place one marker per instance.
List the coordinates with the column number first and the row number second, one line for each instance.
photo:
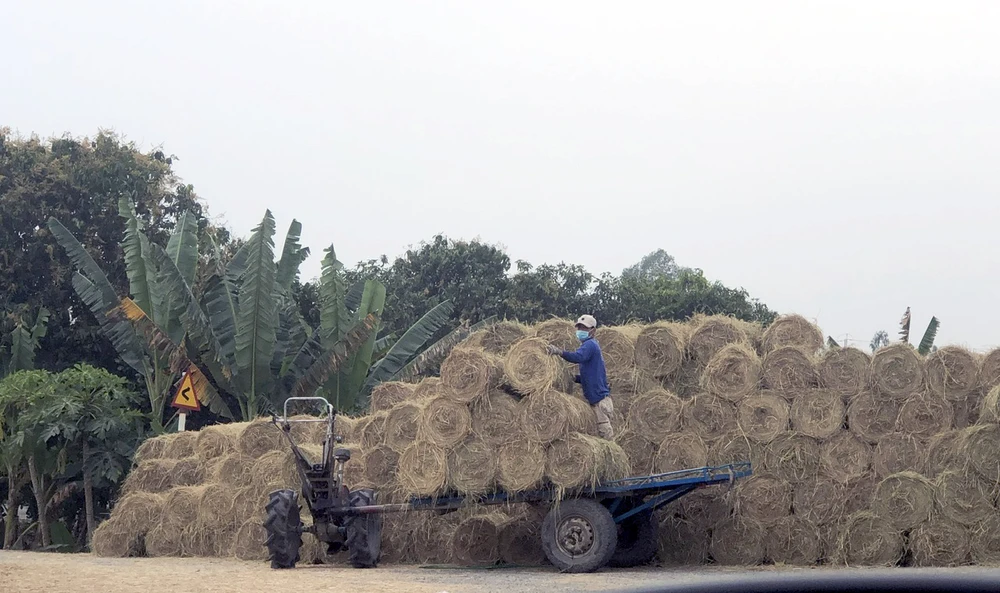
column 637, row 541
column 364, row 532
column 284, row 528
column 579, row 535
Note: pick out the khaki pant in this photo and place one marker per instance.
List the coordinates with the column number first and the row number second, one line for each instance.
column 603, row 410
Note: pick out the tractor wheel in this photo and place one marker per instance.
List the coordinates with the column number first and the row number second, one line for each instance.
column 364, row 532
column 579, row 535
column 637, row 541
column 284, row 528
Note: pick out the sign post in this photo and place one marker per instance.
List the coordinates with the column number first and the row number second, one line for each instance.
column 185, row 400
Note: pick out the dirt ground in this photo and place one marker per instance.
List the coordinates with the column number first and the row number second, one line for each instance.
column 31, row 572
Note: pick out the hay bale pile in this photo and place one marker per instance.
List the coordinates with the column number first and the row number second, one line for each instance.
column 858, row 459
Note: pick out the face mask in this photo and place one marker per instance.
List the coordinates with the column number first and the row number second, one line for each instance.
column 582, row 335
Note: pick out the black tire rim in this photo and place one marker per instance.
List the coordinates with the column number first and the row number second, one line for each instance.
column 575, row 536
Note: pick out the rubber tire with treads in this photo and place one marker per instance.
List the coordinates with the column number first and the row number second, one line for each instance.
column 284, row 528
column 364, row 532
column 638, row 541
column 595, row 519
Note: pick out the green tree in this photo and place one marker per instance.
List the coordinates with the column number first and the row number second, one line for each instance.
column 24, row 341
column 78, row 181
column 657, row 264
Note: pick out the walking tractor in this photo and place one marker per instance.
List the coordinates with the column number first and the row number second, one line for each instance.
column 610, row 524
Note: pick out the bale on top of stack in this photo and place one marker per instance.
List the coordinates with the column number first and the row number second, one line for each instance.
column 847, row 449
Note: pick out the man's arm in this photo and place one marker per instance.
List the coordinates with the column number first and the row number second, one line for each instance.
column 584, row 353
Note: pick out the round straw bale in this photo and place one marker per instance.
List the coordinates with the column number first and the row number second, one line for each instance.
column 179, row 444
column 659, row 349
column 735, row 447
column 218, row 440
column 216, row 507
column 398, row 533
column 952, row 372
column 139, row 511
column 733, row 372
column 686, row 383
column 558, row 332
column 529, row 368
column 640, row 451
column 387, row 394
column 655, row 414
column 114, row 539
column 629, row 381
column 980, row 446
column 618, row 346
column 249, row 541
column 152, row 475
column 380, row 468
column 494, row 417
column 162, row 541
column 858, row 494
column 844, row 370
column 940, row 542
column 793, row 541
column 152, row 448
column 711, row 333
column 549, row 415
column 792, row 456
column 180, row 505
column 904, row 500
column 499, row 337
column 738, row 541
column 763, row 498
column 867, row 539
column 818, row 499
column 898, row 452
column 444, row 422
column 580, row 460
column 817, row 413
column 472, row 467
column 946, row 451
column 343, row 427
column 402, row 424
column 521, row 464
column 989, row 371
column 870, row 418
column 427, row 387
column 521, row 543
column 703, row 507
column 198, row 541
column 234, row 471
column 370, row 430
column 845, row 457
column 476, row 541
column 762, row 417
column 277, row 467
column 792, row 330
column 249, row 503
column 924, row 415
column 260, row 437
column 423, row 468
column 986, row 542
column 188, row 472
column 679, row 451
column 989, row 411
column 431, row 541
column 682, row 543
column 789, row 369
column 897, row 371
column 964, row 497
column 466, row 374
column 709, row 415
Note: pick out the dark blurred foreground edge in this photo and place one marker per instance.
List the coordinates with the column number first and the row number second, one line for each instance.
column 837, row 581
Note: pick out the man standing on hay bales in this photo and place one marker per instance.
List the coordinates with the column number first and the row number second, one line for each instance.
column 593, row 376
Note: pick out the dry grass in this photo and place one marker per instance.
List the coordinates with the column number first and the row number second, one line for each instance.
column 952, row 372
column 899, row 452
column 904, row 500
column 445, row 422
column 659, row 349
column 550, row 415
column 423, row 469
column 733, row 373
column 558, row 332
column 528, row 368
column 473, row 467
column 844, row 370
column 763, row 498
column 467, row 374
column 682, row 543
column 738, row 542
column 762, row 417
column 818, row 413
column 819, row 500
column 989, row 372
column 979, row 446
column 521, row 465
column 498, row 338
column 792, row 456
column 964, row 497
column 924, row 415
column 940, row 542
column 618, row 346
column 794, row 541
column 794, row 331
column 402, row 424
column 845, row 457
column 709, row 415
column 258, row 438
column 711, row 333
column 494, row 417
column 789, row 369
column 114, row 539
column 868, row 540
column 897, row 371
column 655, row 414
column 386, row 395
column 871, row 418
column 681, row 450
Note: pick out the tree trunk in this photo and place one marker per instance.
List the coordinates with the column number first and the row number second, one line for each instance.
column 88, row 493
column 14, row 485
column 38, row 486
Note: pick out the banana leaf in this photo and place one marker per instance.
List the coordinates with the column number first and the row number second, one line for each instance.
column 334, row 317
column 220, row 301
column 256, row 321
column 119, row 332
column 332, row 358
column 182, row 247
column 409, row 345
column 436, row 352
column 136, row 249
column 352, row 375
column 24, row 343
column 292, row 256
column 927, row 342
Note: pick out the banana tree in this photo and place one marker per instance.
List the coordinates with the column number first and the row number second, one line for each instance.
column 24, row 341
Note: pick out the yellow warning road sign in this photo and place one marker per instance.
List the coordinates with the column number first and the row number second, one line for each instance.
column 186, row 398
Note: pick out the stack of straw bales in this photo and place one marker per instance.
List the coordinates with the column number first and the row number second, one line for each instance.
column 858, row 459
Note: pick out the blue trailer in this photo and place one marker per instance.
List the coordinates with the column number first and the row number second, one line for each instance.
column 584, row 529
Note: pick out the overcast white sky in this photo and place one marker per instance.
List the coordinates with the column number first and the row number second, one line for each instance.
column 836, row 159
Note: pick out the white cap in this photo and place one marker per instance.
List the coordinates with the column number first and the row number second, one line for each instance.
column 587, row 321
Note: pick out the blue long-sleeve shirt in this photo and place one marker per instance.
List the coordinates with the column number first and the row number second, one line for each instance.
column 593, row 377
